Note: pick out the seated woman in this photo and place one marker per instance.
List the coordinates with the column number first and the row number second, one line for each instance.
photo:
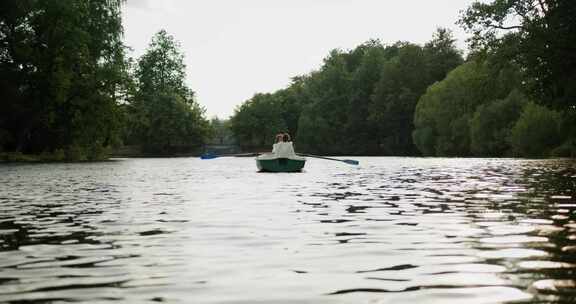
column 279, row 138
column 284, row 148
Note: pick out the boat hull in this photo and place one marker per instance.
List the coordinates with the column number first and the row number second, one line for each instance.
column 280, row 165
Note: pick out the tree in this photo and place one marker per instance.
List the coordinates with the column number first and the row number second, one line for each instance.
column 442, row 113
column 404, row 78
column 441, row 54
column 291, row 102
column 221, row 132
column 360, row 101
column 257, row 121
column 491, row 125
column 61, row 70
column 536, row 133
column 164, row 115
column 162, row 68
column 361, row 132
column 544, row 32
column 325, row 115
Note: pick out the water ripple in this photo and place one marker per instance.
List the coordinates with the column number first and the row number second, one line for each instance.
column 392, row 230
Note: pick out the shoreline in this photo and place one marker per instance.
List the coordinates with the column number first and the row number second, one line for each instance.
column 15, row 158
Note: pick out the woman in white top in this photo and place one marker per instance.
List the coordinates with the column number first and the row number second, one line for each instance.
column 284, row 148
column 279, row 139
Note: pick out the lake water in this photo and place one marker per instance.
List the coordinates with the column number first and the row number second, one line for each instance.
column 391, row 230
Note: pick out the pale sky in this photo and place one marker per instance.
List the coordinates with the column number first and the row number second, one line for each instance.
column 235, row 48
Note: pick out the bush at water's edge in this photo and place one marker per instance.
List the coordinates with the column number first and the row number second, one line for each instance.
column 72, row 153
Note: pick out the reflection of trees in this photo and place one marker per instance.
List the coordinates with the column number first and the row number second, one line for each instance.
column 514, row 212
column 48, row 225
column 547, row 204
column 56, row 214
column 13, row 235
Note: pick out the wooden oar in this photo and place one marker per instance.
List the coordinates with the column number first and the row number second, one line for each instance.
column 348, row 161
column 212, row 156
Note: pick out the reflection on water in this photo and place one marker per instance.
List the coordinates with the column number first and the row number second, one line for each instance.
column 391, row 230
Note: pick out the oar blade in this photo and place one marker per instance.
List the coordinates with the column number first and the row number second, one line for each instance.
column 208, row 156
column 351, row 162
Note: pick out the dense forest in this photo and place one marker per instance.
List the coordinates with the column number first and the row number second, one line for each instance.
column 513, row 95
column 69, row 91
column 359, row 102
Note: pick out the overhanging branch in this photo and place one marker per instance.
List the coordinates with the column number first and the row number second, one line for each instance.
column 512, row 27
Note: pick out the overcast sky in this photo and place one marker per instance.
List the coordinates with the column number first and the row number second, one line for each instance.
column 235, row 48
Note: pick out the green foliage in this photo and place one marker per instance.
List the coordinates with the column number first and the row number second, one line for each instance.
column 537, row 38
column 536, row 132
column 67, row 91
column 162, row 68
column 257, row 121
column 221, row 132
column 568, row 134
column 61, row 70
column 543, row 32
column 359, row 131
column 75, row 152
column 318, row 134
column 567, row 149
column 57, row 155
column 472, row 111
column 163, row 116
column 404, row 78
column 291, row 101
column 424, row 138
column 444, row 110
column 492, row 123
column 326, row 113
column 441, row 54
column 17, row 157
column 359, row 102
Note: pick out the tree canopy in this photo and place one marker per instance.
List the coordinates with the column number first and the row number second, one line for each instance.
column 62, row 69
column 543, row 32
column 359, row 102
column 67, row 88
column 410, row 99
column 164, row 116
column 69, row 91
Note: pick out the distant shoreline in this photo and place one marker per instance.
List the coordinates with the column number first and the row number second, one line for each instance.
column 13, row 157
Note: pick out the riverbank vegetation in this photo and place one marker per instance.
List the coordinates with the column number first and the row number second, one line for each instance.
column 162, row 114
column 513, row 95
column 68, row 91
column 359, row 102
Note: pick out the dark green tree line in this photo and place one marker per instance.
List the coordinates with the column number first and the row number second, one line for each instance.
column 537, row 36
column 257, row 121
column 67, row 90
column 220, row 132
column 62, row 71
column 359, row 102
column 404, row 79
column 467, row 113
column 513, row 96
